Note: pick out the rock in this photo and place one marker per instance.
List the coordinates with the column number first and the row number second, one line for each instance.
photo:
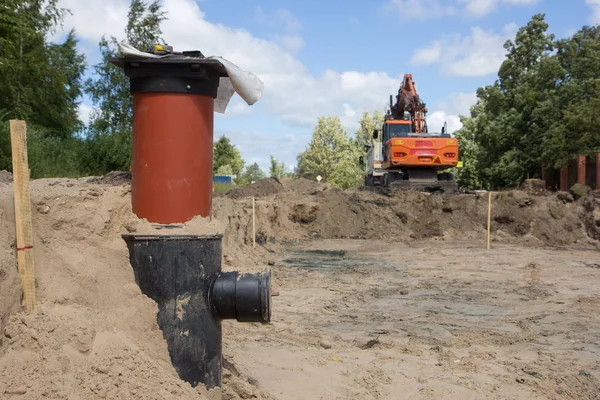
column 17, row 390
column 271, row 262
column 565, row 197
column 370, row 344
column 325, row 344
column 43, row 209
column 534, row 185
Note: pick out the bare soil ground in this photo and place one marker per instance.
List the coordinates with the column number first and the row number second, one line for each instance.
column 381, row 296
column 363, row 319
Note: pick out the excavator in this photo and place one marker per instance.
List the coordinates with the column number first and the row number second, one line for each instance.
column 404, row 154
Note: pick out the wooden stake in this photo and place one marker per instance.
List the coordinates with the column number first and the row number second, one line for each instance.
column 253, row 225
column 21, row 172
column 489, row 225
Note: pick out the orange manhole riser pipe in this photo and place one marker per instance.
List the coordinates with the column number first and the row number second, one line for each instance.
column 172, row 156
column 172, row 150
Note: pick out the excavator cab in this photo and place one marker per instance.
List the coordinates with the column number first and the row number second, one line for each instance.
column 396, row 129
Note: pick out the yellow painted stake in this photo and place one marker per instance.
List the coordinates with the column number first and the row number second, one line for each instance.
column 489, row 225
column 21, row 172
column 253, row 225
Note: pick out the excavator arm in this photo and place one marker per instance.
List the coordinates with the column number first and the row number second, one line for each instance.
column 408, row 100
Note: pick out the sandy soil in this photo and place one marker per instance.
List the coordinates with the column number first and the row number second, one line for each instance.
column 381, row 296
column 362, row 319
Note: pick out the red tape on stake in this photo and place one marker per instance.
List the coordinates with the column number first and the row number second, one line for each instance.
column 24, row 248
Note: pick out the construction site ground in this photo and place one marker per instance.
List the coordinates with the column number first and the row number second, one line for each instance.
column 378, row 294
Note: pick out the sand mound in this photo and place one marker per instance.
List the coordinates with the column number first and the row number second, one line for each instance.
column 304, row 186
column 112, row 178
column 590, row 214
column 264, row 187
column 92, row 316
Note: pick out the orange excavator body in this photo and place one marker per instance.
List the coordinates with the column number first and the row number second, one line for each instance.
column 410, row 152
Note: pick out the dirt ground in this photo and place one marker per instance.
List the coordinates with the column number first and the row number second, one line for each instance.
column 381, row 295
column 363, row 319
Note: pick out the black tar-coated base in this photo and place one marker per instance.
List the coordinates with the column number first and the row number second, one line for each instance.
column 177, row 272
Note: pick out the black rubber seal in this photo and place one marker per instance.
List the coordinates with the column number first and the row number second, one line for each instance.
column 172, row 75
column 244, row 297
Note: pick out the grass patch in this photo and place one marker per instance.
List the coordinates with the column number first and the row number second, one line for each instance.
column 222, row 187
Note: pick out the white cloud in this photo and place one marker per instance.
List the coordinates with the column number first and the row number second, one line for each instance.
column 84, row 111
column 449, row 110
column 595, row 6
column 428, row 55
column 291, row 43
column 478, row 8
column 436, row 119
column 92, row 19
column 257, row 147
column 480, row 53
column 427, row 9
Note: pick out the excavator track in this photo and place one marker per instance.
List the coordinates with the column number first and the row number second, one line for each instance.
column 423, row 180
column 448, row 187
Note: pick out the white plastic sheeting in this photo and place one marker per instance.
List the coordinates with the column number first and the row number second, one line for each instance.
column 247, row 85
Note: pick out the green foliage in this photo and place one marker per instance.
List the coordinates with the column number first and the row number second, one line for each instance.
column 221, row 187
column 331, row 154
column 277, row 169
column 5, row 150
column 108, row 141
column 105, row 153
column 368, row 123
column 40, row 81
column 541, row 109
column 224, row 170
column 469, row 150
column 252, row 173
column 51, row 156
column 48, row 156
column 225, row 153
column 347, row 172
column 109, row 88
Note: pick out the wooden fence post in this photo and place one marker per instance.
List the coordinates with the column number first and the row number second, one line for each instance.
column 21, row 172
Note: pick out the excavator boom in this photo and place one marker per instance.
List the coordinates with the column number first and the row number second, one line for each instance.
column 408, row 101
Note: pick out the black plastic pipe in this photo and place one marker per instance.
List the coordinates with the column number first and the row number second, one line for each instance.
column 182, row 273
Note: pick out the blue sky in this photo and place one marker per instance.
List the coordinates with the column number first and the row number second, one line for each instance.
column 337, row 57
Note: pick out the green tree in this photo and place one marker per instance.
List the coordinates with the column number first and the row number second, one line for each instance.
column 109, row 136
column 224, row 170
column 41, row 81
column 109, row 88
column 367, row 124
column 515, row 109
column 276, row 169
column 468, row 149
column 347, row 172
column 225, row 153
column 252, row 173
column 330, row 154
column 575, row 104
